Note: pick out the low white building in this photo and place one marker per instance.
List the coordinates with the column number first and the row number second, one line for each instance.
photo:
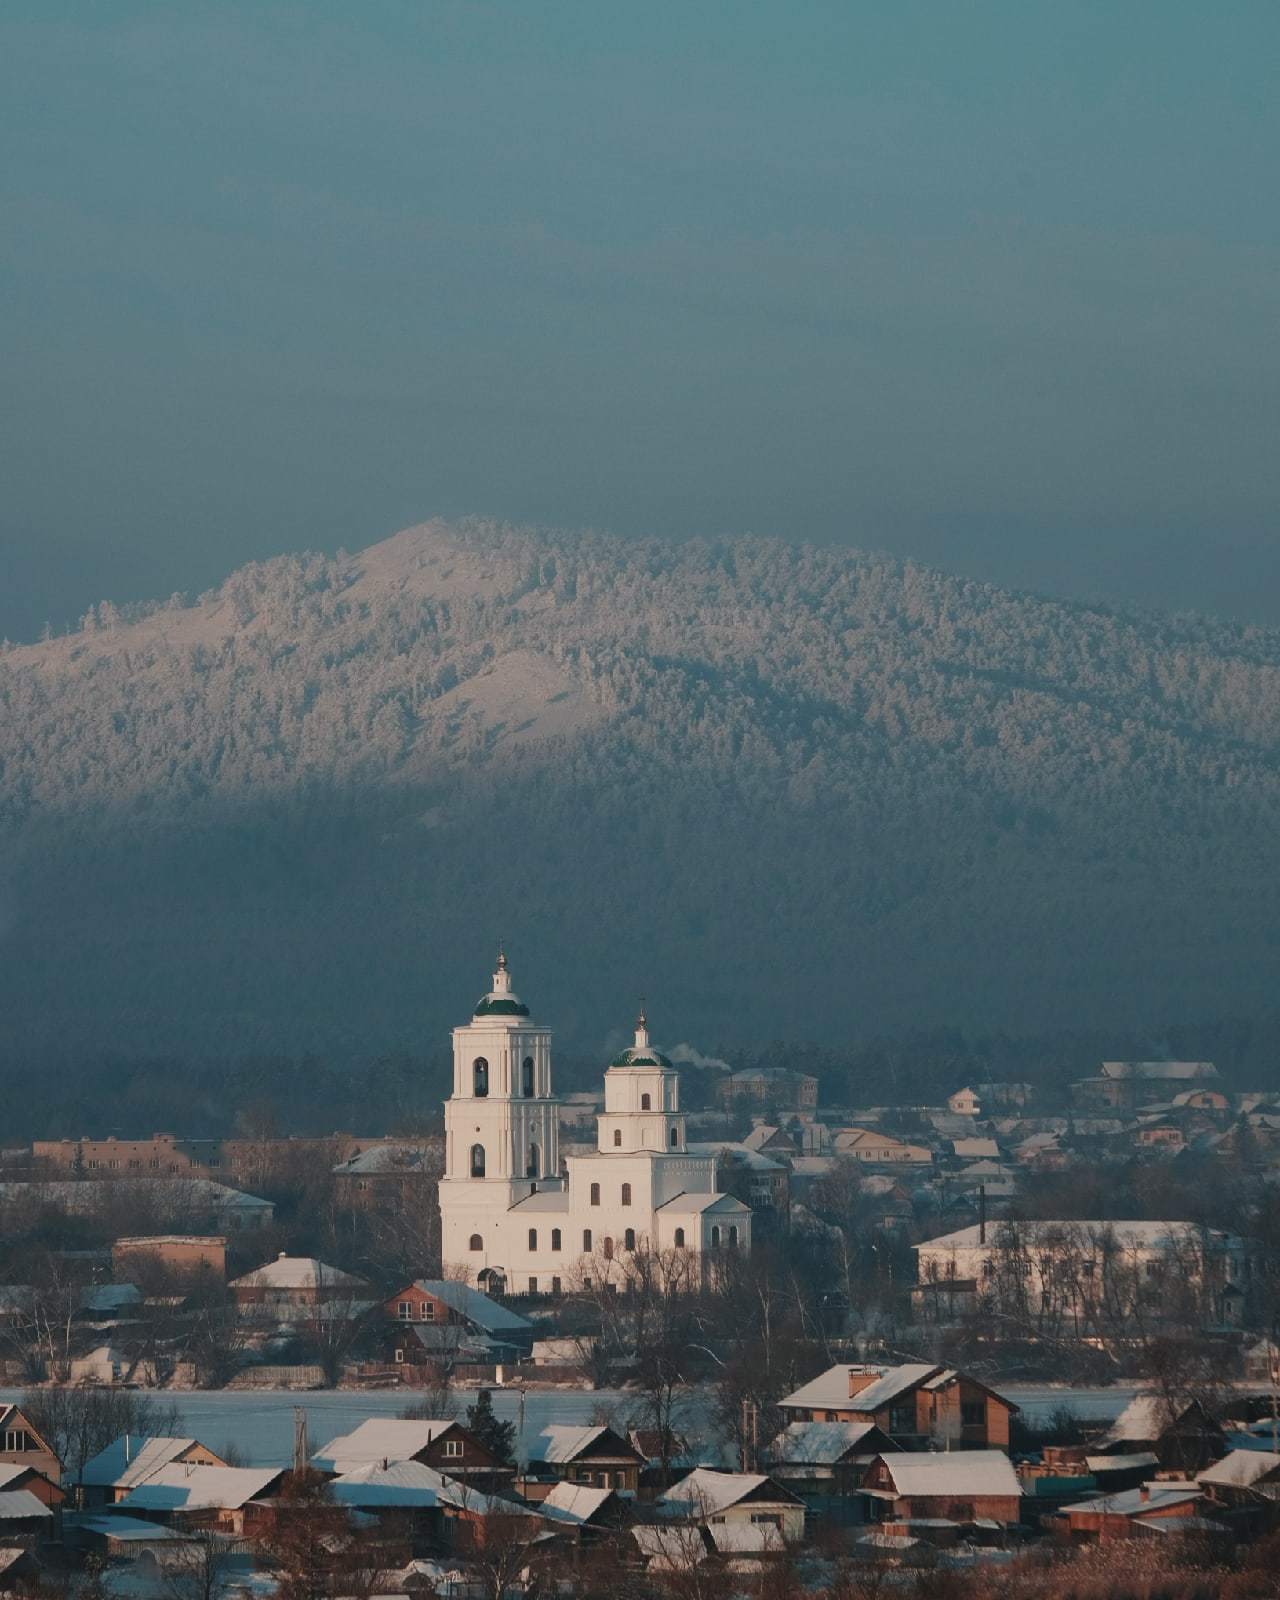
column 642, row 1201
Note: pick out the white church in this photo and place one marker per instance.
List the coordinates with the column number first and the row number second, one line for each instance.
column 641, row 1202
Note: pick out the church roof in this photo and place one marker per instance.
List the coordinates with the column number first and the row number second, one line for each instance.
column 642, row 1053
column 501, row 1000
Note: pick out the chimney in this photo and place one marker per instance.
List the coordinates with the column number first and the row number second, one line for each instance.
column 1144, row 1493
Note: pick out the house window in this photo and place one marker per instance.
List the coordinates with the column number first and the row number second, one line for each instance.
column 555, row 1238
column 679, row 1238
column 629, row 1239
column 526, row 1077
column 595, row 1194
column 477, row 1161
column 617, row 1136
column 973, row 1413
column 405, row 1311
column 533, row 1238
column 477, row 1243
column 480, row 1077
column 586, row 1238
column 453, row 1447
column 15, row 1439
column 531, row 1171
column 645, row 1102
column 768, row 1519
column 427, row 1311
column 626, row 1194
column 675, row 1136
column 399, row 1355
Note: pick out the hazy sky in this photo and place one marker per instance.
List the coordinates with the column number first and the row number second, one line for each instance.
column 992, row 284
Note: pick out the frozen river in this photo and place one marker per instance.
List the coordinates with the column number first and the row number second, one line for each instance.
column 259, row 1424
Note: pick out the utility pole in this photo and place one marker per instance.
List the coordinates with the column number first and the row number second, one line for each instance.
column 300, row 1451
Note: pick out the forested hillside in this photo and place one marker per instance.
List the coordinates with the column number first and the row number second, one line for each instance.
column 783, row 791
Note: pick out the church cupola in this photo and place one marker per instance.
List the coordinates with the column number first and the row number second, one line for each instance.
column 501, row 1000
column 641, row 1099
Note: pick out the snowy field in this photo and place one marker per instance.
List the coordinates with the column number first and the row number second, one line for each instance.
column 260, row 1424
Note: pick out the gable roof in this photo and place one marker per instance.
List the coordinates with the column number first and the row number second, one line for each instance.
column 17, row 1505
column 892, row 1385
column 11, row 1415
column 707, row 1491
column 1145, row 1418
column 472, row 1305
column 1139, row 1502
column 562, row 1442
column 131, row 1459
column 399, row 1483
column 574, row 1503
column 1240, row 1468
column 694, row 1204
column 378, row 1441
column 972, row 1473
column 194, row 1488
column 820, row 1444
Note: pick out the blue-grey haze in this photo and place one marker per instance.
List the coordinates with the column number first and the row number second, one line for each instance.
column 994, row 285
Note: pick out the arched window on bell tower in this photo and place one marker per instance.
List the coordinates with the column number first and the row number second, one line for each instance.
column 480, row 1078
column 477, row 1161
column 531, row 1168
column 526, row 1078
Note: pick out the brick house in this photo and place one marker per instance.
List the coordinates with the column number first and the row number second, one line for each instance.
column 444, row 1303
column 21, row 1445
column 1131, row 1513
column 292, row 1282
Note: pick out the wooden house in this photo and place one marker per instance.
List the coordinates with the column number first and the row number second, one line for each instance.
column 131, row 1459
column 1130, row 1513
column 719, row 1500
column 959, row 1486
column 916, row 1404
column 821, row 1461
column 23, row 1446
column 591, row 1454
column 443, row 1444
column 1185, row 1440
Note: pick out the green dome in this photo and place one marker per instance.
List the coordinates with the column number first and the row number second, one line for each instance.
column 640, row 1058
column 500, row 1006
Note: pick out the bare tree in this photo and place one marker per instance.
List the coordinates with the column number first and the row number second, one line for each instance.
column 78, row 1423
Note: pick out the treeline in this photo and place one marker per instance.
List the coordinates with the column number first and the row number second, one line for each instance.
column 782, row 791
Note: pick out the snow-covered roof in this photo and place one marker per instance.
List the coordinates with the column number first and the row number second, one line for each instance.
column 399, row 1483
column 1128, row 1235
column 745, row 1538
column 818, row 1444
column 971, row 1473
column 750, row 1158
column 1239, row 1468
column 131, row 1459
column 1144, row 1418
column 692, row 1205
column 562, row 1442
column 185, row 1194
column 975, row 1149
column 298, row 1272
column 670, row 1549
column 10, row 1471
column 381, row 1158
column 16, row 1505
column 830, row 1390
column 132, row 1530
column 180, row 1487
column 1121, row 1463
column 574, row 1503
column 759, row 1136
column 542, row 1200
column 106, row 1297
column 707, row 1491
column 887, row 1388
column 473, row 1306
column 378, row 1440
column 1139, row 1502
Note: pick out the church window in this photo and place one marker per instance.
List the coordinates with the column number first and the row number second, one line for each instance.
column 555, row 1238
column 595, row 1194
column 555, row 1286
column 533, row 1286
column 531, row 1171
column 617, row 1136
column 715, row 1238
column 629, row 1239
column 645, row 1102
column 626, row 1194
column 679, row 1238
column 586, row 1238
column 733, row 1237
column 608, row 1249
column 477, row 1243
column 533, row 1238
column 675, row 1136
column 480, row 1077
column 477, row 1161
column 527, row 1077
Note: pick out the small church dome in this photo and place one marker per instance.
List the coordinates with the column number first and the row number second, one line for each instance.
column 642, row 1053
column 502, row 1000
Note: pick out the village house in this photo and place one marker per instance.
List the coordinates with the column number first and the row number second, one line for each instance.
column 1243, row 1478
column 133, row 1458
column 737, row 1500
column 293, row 1284
column 22, row 1446
column 1184, row 1440
column 443, row 1444
column 771, row 1141
column 880, row 1149
column 25, row 1520
column 228, row 1499
column 823, row 1461
column 15, row 1479
column 585, row 1512
column 591, row 1454
column 958, row 1486
column 108, row 1364
column 769, row 1086
column 194, row 1205
column 444, row 1303
column 918, row 1405
column 966, row 1102
column 1131, row 1513
column 1132, row 1084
